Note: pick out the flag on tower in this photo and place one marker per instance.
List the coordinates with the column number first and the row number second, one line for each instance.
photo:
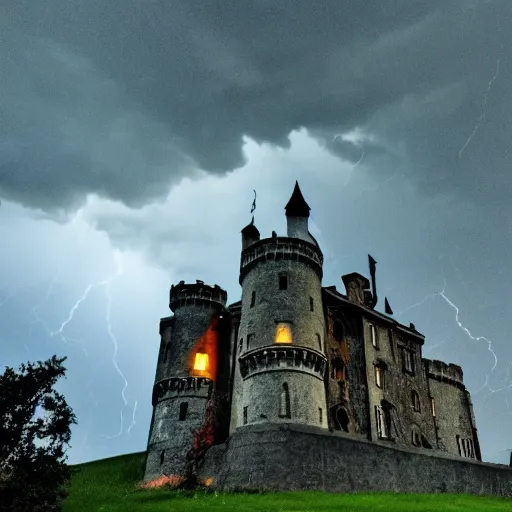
column 387, row 307
column 253, row 207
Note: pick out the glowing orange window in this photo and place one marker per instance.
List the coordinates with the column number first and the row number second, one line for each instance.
column 283, row 333
column 201, row 362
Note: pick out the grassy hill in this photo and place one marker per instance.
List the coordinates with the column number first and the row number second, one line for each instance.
column 109, row 485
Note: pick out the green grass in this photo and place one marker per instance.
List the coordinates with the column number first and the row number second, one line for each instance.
column 110, row 485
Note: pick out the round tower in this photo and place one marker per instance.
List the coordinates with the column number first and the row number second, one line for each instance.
column 280, row 359
column 190, row 363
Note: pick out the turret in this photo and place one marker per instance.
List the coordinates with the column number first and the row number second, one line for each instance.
column 250, row 235
column 280, row 360
column 193, row 363
column 297, row 215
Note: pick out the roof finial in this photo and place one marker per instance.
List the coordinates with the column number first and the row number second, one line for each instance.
column 253, row 207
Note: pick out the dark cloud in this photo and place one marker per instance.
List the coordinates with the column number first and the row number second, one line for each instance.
column 194, row 77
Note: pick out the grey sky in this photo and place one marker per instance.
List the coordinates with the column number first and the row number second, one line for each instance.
column 156, row 120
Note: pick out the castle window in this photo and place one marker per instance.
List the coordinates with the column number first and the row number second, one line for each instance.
column 167, row 350
column 284, row 405
column 373, row 336
column 311, row 304
column 338, row 369
column 381, row 423
column 379, row 376
column 183, row 410
column 465, row 447
column 408, row 360
column 415, row 437
column 245, row 415
column 253, row 299
column 283, row 281
column 240, row 345
column 337, row 331
column 283, row 333
column 320, row 415
column 433, row 405
column 319, row 341
column 162, row 457
column 250, row 339
column 415, row 399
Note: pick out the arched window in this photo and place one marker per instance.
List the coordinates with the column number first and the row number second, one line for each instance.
column 337, row 331
column 283, row 333
column 319, row 341
column 284, row 405
column 183, row 410
column 415, row 399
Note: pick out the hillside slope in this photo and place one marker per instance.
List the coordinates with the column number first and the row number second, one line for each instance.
column 110, row 485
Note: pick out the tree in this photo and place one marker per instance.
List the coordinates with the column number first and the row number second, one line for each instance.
column 35, row 429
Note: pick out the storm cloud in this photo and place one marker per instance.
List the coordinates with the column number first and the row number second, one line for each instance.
column 123, row 99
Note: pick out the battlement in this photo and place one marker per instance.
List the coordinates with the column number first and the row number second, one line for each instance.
column 180, row 387
column 281, row 248
column 271, row 358
column 439, row 370
column 199, row 293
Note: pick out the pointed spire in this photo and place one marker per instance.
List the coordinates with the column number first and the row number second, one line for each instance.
column 387, row 307
column 297, row 206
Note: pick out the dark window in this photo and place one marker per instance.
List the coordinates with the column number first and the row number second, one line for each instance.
column 338, row 369
column 415, row 399
column 415, row 437
column 408, row 360
column 284, row 405
column 253, row 299
column 245, row 415
column 162, row 457
column 319, row 341
column 250, row 339
column 337, row 331
column 320, row 415
column 283, row 282
column 240, row 345
column 183, row 410
column 311, row 304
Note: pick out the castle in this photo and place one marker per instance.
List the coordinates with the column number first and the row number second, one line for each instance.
column 305, row 387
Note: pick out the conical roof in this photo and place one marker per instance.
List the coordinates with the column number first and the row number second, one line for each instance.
column 297, row 206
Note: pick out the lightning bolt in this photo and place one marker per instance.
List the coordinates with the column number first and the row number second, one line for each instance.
column 466, row 330
column 482, row 111
column 132, row 424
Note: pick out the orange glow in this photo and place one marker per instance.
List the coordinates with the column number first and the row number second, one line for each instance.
column 201, row 362
column 202, row 359
column 283, row 333
column 172, row 481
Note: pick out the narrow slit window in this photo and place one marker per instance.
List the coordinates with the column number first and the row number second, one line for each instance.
column 250, row 339
column 381, row 424
column 284, row 405
column 162, row 457
column 319, row 341
column 311, row 304
column 433, row 404
column 245, row 415
column 240, row 345
column 373, row 335
column 253, row 299
column 415, row 399
column 379, row 376
column 183, row 411
column 320, row 415
column 283, row 282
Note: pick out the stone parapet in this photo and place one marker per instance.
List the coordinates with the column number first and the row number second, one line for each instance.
column 175, row 387
column 276, row 358
column 439, row 370
column 281, row 248
column 195, row 294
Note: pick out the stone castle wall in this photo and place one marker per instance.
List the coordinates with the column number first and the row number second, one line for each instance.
column 289, row 458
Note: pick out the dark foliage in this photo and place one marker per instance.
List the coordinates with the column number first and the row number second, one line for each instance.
column 35, row 429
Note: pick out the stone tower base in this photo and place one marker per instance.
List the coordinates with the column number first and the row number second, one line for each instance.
column 291, row 457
